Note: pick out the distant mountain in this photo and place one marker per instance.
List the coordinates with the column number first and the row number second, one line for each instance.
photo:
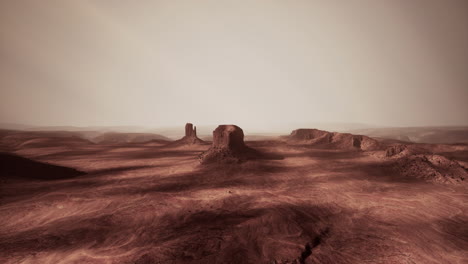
column 13, row 126
column 116, row 138
column 433, row 135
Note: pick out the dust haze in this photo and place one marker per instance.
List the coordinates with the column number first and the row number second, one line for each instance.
column 276, row 132
column 262, row 65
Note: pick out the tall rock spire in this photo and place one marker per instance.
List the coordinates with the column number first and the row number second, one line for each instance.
column 189, row 131
column 190, row 137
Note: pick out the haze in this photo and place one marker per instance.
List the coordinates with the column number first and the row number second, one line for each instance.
column 258, row 64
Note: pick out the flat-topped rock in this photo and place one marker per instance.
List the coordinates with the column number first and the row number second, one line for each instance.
column 333, row 139
column 230, row 137
column 308, row 134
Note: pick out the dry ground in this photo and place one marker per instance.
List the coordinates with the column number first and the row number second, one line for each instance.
column 148, row 203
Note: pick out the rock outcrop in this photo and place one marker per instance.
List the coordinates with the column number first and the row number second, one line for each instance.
column 228, row 146
column 432, row 168
column 403, row 150
column 395, row 150
column 310, row 134
column 419, row 162
column 190, row 130
column 229, row 137
column 190, row 137
column 334, row 139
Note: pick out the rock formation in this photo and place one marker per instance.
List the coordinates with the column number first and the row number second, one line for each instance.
column 333, row 139
column 229, row 137
column 432, row 168
column 190, row 137
column 190, row 130
column 419, row 161
column 228, row 146
column 403, row 150
column 365, row 143
column 395, row 150
column 310, row 134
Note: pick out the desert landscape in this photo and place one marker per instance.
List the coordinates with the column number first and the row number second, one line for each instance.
column 234, row 132
column 309, row 197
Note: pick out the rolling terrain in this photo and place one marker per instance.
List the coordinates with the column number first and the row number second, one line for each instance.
column 324, row 200
column 431, row 135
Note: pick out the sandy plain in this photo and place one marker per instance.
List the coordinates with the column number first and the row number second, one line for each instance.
column 154, row 202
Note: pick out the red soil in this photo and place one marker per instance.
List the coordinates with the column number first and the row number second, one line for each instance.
column 154, row 203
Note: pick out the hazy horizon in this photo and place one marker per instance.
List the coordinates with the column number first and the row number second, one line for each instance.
column 265, row 65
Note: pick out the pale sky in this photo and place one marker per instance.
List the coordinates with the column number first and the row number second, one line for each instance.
column 257, row 64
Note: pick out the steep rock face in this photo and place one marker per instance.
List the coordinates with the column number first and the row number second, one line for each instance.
column 333, row 139
column 190, row 137
column 228, row 146
column 190, row 130
column 229, row 137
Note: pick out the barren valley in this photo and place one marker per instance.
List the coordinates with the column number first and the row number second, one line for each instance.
column 310, row 197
